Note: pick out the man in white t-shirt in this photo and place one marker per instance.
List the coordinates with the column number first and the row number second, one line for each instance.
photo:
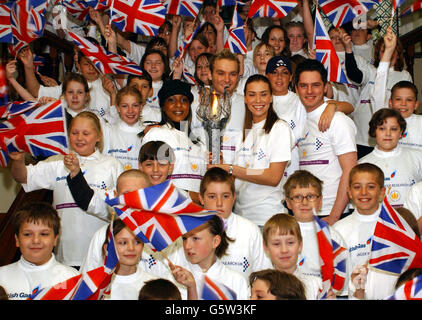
column 329, row 155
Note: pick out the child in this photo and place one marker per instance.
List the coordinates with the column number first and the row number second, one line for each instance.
column 203, row 247
column 402, row 166
column 366, row 191
column 261, row 156
column 272, row 284
column 159, row 289
column 283, row 244
column 121, row 139
column 404, row 99
column 303, row 193
column 37, row 228
column 276, row 37
column 84, row 162
column 246, row 254
column 128, row 278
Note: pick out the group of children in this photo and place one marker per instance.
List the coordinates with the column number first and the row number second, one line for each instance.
column 130, row 133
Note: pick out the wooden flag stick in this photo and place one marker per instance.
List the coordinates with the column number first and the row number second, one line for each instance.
column 165, row 257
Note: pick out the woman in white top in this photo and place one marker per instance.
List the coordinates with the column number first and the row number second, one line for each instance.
column 101, row 172
column 261, row 156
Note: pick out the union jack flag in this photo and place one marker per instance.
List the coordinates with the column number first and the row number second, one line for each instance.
column 14, row 108
column 79, row 9
column 5, row 28
column 181, row 51
column 271, row 8
column 410, row 290
column 189, row 78
column 91, row 285
column 236, row 41
column 3, row 92
column 159, row 214
column 27, row 21
column 341, row 11
column 325, row 52
column 333, row 256
column 414, row 7
column 395, row 246
column 105, row 61
column 213, row 290
column 188, row 8
column 139, row 16
column 396, row 3
column 39, row 131
column 39, row 61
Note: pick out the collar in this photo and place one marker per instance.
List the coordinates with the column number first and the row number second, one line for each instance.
column 30, row 267
column 368, row 217
column 384, row 154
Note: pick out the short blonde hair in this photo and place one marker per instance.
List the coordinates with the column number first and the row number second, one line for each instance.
column 95, row 123
column 282, row 223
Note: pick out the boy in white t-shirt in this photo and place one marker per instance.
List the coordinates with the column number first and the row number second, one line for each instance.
column 37, row 227
column 246, row 253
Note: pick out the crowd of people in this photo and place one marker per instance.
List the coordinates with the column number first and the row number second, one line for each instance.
column 294, row 146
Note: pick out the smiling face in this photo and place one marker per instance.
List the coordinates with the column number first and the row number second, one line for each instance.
column 203, row 71
column 83, row 136
column 225, row 73
column 199, row 245
column 129, row 109
column 335, row 37
column 75, row 96
column 129, row 248
column 365, row 192
column 261, row 58
column 258, row 99
column 388, row 134
column 176, row 107
column 303, row 210
column 276, row 40
column 157, row 171
column 87, row 69
column 195, row 49
column 36, row 242
column 283, row 250
column 280, row 80
column 404, row 101
column 311, row 89
column 154, row 65
column 296, row 37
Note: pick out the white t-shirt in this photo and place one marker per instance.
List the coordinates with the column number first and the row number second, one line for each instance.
column 190, row 164
column 122, row 142
column 319, row 151
column 413, row 200
column 311, row 283
column 309, row 258
column 77, row 227
column 246, row 254
column 22, row 278
column 411, row 137
column 402, row 168
column 127, row 287
column 365, row 50
column 232, row 131
column 258, row 202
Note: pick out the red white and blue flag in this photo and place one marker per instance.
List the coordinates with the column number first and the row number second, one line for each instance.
column 138, row 16
column 4, row 100
column 106, row 62
column 416, row 6
column 27, row 22
column 236, row 41
column 5, row 25
column 14, row 108
column 188, row 8
column 212, row 290
column 396, row 3
column 188, row 77
column 39, row 131
column 333, row 256
column 395, row 246
column 91, row 285
column 325, row 52
column 181, row 51
column 271, row 8
column 341, row 11
column 410, row 290
column 79, row 9
column 159, row 214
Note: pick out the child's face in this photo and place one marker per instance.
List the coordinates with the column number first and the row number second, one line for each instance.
column 143, row 87
column 404, row 101
column 129, row 184
column 83, row 136
column 261, row 58
column 195, row 49
column 388, row 134
column 277, row 41
column 335, row 37
column 283, row 251
column 261, row 291
column 302, row 210
column 280, row 79
column 88, row 70
column 157, row 171
column 203, row 71
column 154, row 65
column 176, row 107
column 129, row 248
column 75, row 96
column 258, row 98
column 36, row 242
column 218, row 196
column 199, row 247
column 365, row 192
column 129, row 109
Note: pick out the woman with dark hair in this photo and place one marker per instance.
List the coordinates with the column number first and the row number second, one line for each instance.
column 261, row 155
column 276, row 37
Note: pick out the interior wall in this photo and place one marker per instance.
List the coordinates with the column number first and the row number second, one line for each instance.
column 8, row 189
